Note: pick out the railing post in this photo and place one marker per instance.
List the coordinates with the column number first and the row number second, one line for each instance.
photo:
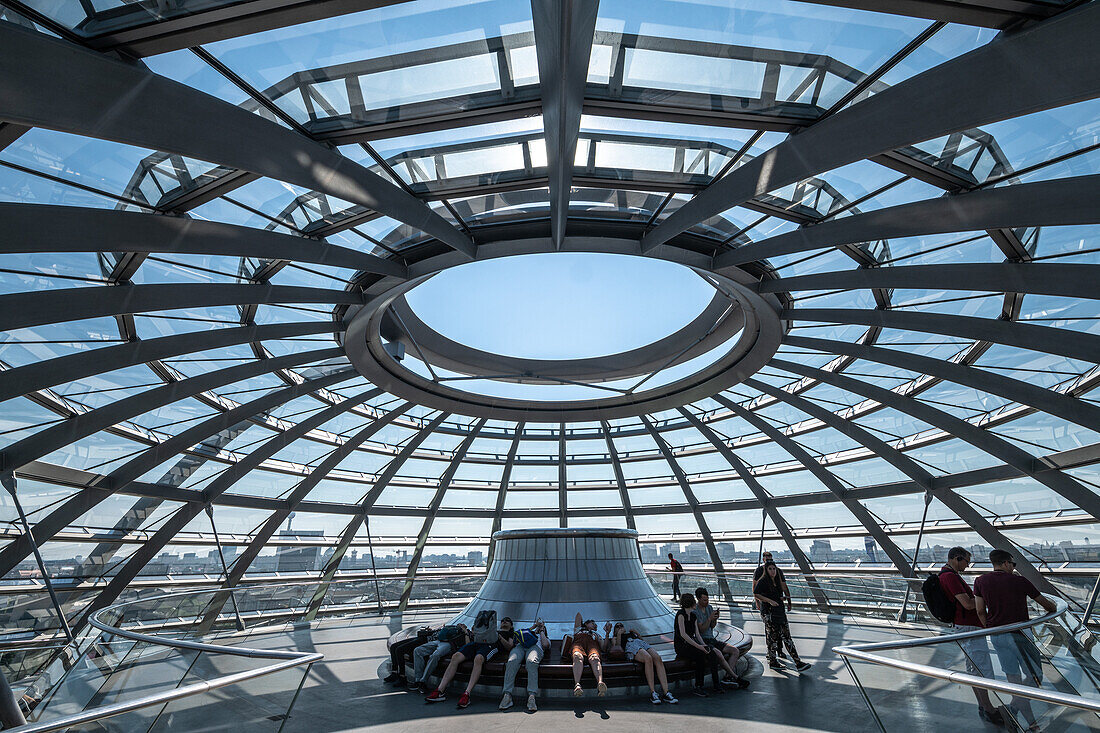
column 863, row 692
column 8, row 479
column 916, row 555
column 225, row 568
column 373, row 568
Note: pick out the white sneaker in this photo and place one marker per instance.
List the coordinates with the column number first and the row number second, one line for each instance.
column 506, row 701
column 531, row 706
column 655, row 698
column 670, row 699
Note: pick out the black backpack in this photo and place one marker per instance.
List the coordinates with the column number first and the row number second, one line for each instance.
column 939, row 605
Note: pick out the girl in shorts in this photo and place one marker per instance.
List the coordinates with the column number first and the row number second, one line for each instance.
column 637, row 649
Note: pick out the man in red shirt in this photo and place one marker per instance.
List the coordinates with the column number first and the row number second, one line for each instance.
column 677, row 571
column 1001, row 599
column 975, row 648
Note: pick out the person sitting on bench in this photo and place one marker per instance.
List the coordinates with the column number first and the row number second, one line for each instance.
column 426, row 656
column 638, row 650
column 486, row 642
column 706, row 618
column 529, row 647
column 587, row 644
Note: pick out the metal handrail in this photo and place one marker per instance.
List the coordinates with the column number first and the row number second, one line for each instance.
column 863, row 652
column 287, row 660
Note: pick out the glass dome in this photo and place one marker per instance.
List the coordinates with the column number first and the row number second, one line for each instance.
column 886, row 333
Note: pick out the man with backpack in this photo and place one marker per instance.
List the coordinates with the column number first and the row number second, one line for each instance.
column 426, row 656
column 963, row 614
column 677, row 571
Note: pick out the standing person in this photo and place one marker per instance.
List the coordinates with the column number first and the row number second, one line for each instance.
column 975, row 648
column 769, row 592
column 677, row 570
column 530, row 646
column 765, row 558
column 426, row 656
column 1000, row 598
column 637, row 649
column 587, row 644
column 487, row 641
column 706, row 618
column 691, row 647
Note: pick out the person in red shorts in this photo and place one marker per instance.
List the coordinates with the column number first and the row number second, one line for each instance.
column 588, row 644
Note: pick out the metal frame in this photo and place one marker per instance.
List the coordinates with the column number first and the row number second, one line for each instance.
column 1053, row 64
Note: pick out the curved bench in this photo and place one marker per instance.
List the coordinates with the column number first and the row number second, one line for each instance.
column 556, row 670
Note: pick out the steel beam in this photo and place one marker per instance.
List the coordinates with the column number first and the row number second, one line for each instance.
column 563, row 496
column 47, row 440
column 40, row 308
column 620, row 480
column 82, row 364
column 984, row 440
column 141, row 36
column 1042, row 339
column 982, row 13
column 901, row 561
column 295, row 498
column 174, row 524
column 99, row 488
column 60, row 86
column 433, row 507
column 1054, row 403
column 693, row 504
column 1051, row 64
column 1061, row 280
column 502, row 492
column 1060, row 202
column 48, row 228
column 920, row 476
column 765, row 501
column 563, row 41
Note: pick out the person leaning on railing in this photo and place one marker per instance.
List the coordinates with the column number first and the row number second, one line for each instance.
column 1000, row 599
column 975, row 649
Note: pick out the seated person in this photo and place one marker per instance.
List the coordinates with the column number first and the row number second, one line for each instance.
column 398, row 650
column 486, row 641
column 706, row 617
column 588, row 644
column 690, row 646
column 426, row 656
column 529, row 646
column 637, row 649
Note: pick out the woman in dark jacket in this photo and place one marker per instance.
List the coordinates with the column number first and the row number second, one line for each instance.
column 768, row 590
column 691, row 647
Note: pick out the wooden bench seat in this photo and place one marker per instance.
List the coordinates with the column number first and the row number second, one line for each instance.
column 556, row 670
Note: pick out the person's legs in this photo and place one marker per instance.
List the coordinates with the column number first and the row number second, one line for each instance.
column 659, row 668
column 420, row 658
column 578, row 667
column 511, row 668
column 1014, row 668
column 772, row 639
column 533, row 659
column 978, row 661
column 596, row 664
column 716, row 651
column 451, row 671
column 444, row 648
column 397, row 657
column 475, row 673
column 676, row 586
column 643, row 658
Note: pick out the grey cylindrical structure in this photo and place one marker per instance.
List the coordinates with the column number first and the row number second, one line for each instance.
column 554, row 573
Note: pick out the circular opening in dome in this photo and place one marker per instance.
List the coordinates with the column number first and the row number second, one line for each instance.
column 564, row 305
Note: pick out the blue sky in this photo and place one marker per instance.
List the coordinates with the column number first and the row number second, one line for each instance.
column 562, row 305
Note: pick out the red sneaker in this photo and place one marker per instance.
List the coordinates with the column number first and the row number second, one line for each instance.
column 436, row 696
column 464, row 701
